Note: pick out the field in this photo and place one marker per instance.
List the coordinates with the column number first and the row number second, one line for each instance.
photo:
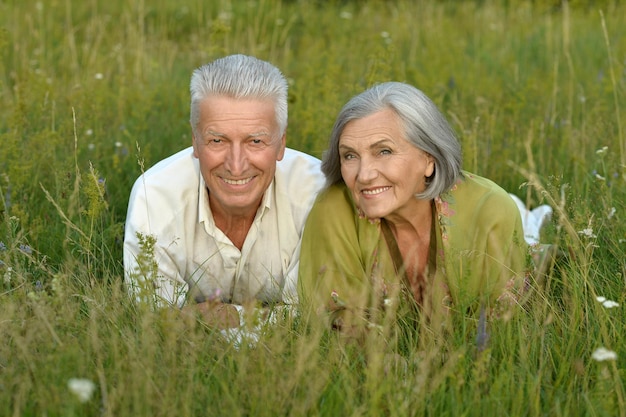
column 93, row 92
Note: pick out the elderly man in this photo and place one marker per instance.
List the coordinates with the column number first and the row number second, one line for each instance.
column 219, row 224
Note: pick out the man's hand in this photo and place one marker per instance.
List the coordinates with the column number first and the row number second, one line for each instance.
column 214, row 314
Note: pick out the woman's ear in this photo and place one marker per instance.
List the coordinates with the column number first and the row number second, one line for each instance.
column 430, row 166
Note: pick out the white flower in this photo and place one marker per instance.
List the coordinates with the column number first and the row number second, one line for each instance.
column 7, row 275
column 600, row 177
column 588, row 232
column 603, row 354
column 606, row 302
column 225, row 16
column 602, row 150
column 345, row 15
column 611, row 212
column 98, row 76
column 82, row 388
column 89, row 132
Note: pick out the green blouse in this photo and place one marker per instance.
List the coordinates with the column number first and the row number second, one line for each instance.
column 478, row 255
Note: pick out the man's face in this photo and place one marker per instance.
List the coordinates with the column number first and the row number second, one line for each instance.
column 238, row 145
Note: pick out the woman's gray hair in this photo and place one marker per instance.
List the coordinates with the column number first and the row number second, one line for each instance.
column 424, row 126
column 240, row 77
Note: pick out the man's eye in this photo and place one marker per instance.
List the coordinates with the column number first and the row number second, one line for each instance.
column 385, row 152
column 213, row 141
column 257, row 141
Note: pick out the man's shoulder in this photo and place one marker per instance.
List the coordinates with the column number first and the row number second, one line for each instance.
column 172, row 178
column 180, row 162
column 297, row 160
column 299, row 173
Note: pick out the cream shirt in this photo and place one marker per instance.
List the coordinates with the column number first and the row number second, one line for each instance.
column 195, row 259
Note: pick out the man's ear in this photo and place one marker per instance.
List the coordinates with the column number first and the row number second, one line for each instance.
column 283, row 145
column 194, row 143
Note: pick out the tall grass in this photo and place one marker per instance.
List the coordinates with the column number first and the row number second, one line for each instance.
column 91, row 91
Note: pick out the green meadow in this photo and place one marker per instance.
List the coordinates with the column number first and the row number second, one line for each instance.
column 94, row 92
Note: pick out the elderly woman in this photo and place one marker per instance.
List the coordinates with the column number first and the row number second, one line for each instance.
column 400, row 221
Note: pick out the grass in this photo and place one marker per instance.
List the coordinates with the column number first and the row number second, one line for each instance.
column 91, row 92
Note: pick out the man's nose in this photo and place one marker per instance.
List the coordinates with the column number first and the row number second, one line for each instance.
column 236, row 161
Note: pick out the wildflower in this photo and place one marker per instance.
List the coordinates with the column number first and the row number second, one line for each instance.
column 7, row 275
column 82, row 388
column 3, row 247
column 602, row 150
column 386, row 37
column 89, row 132
column 606, row 303
column 91, row 146
column 98, row 76
column 56, row 285
column 602, row 354
column 336, row 300
column 118, row 144
column 26, row 249
column 345, row 15
column 587, row 232
column 611, row 213
column 225, row 16
column 600, row 177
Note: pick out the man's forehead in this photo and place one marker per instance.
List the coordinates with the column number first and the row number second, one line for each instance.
column 208, row 131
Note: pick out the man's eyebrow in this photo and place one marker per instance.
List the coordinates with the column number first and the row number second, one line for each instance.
column 213, row 133
column 257, row 134
column 223, row 135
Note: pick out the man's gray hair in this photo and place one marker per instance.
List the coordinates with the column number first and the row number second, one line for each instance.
column 240, row 77
column 424, row 126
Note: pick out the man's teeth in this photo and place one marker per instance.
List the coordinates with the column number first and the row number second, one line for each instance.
column 237, row 182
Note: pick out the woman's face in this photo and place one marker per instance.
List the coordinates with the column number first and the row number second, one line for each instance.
column 381, row 168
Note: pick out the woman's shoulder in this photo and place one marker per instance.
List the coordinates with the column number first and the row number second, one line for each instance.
column 480, row 190
column 335, row 195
